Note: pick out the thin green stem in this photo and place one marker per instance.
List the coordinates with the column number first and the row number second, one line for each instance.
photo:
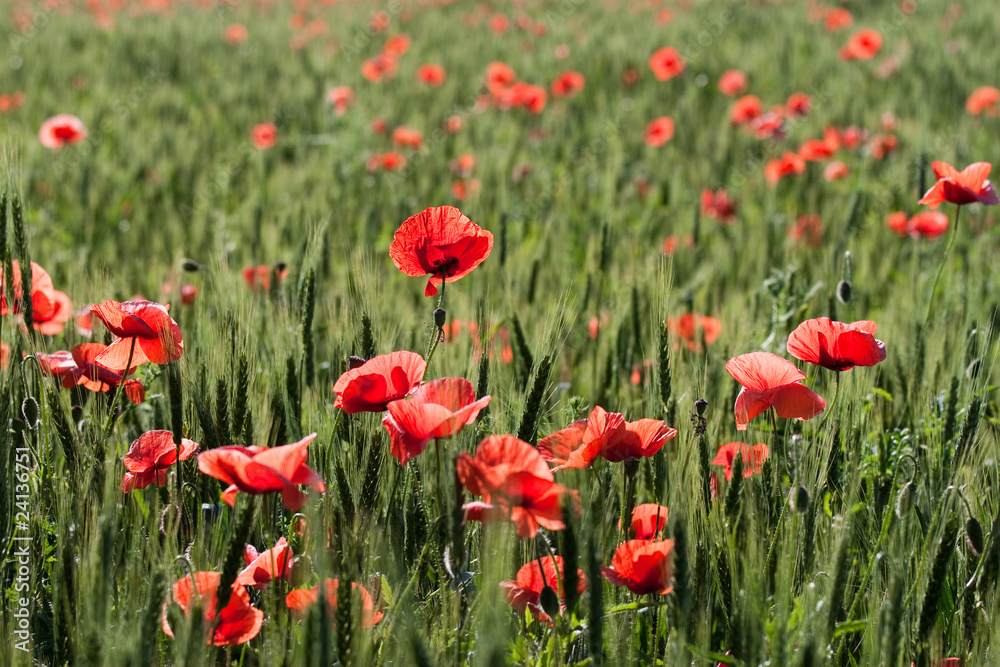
column 118, row 392
column 944, row 260
column 833, row 404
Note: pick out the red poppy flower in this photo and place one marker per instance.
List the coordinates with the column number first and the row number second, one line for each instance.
column 382, row 66
column 798, row 104
column 882, row 145
column 838, row 18
column 852, row 137
column 432, row 75
column 808, row 228
column 373, row 385
column 463, row 165
column 515, row 483
column 835, row 171
column 524, row 95
column 672, row 242
column 837, row 346
column 62, row 130
column 567, row 84
column 666, row 63
column 301, row 599
column 142, row 325
column 441, row 242
column 961, row 187
column 264, row 135
column 788, row 164
column 648, row 520
column 405, row 136
column 188, row 294
column 397, row 45
column 525, row 591
column 687, row 325
column 642, row 566
column 237, row 623
column 263, row 470
column 50, row 308
column 235, row 34
column 4, row 355
column 983, row 100
column 275, row 563
column 604, row 434
column 460, row 190
column 745, row 110
column 770, row 381
column 732, row 83
column 453, row 124
column 863, row 45
column 718, row 205
column 751, row 458
column 816, row 150
column 258, row 278
column 150, row 457
column 498, row 24
column 659, row 131
column 79, row 367
column 437, row 409
column 340, row 97
column 924, row 225
column 390, row 161
column 771, row 125
column 498, row 77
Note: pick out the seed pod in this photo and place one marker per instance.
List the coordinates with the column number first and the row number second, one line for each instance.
column 190, row 265
column 974, row 535
column 29, row 408
column 549, row 601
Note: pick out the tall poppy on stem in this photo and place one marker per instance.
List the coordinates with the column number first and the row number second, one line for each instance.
column 771, row 382
column 642, row 566
column 150, row 457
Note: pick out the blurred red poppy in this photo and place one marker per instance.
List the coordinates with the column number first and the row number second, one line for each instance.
column 397, row 45
column 150, row 457
column 432, row 75
column 837, row 346
column 142, row 327
column 382, row 66
column 62, row 130
column 666, row 63
column 751, row 458
column 373, row 385
column 515, row 484
column 261, row 568
column 405, row 136
column 770, row 381
column 525, row 592
column 659, row 131
column 835, row 171
column 863, row 45
column 882, row 145
column 441, row 242
column 390, row 161
column 732, row 83
column 852, row 137
column 808, row 228
column 524, row 95
column 838, row 18
column 567, row 84
column 924, row 225
column 437, row 409
column 745, row 110
column 798, row 104
column 648, row 519
column 816, row 150
column 235, row 33
column 4, row 355
column 238, row 622
column 463, row 165
column 264, row 135
column 498, row 77
column 971, row 185
column 260, row 470
column 258, row 278
column 642, row 566
column 50, row 308
column 789, row 164
column 301, row 599
column 718, row 205
column 340, row 97
column 453, row 124
column 687, row 325
column 983, row 100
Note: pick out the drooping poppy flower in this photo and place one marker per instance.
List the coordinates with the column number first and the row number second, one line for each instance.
column 437, row 409
column 808, row 228
column 604, row 434
column 835, row 171
column 260, row 470
column 142, row 327
column 238, row 621
column 659, row 131
column 261, row 568
column 515, row 484
column 789, row 164
column 666, row 63
column 432, row 75
column 983, row 100
column 62, row 130
column 301, row 599
column 643, row 566
column 770, row 381
column 751, row 458
column 838, row 18
column 686, row 327
column 718, row 205
column 441, row 242
column 235, row 34
column 961, row 187
column 745, row 110
column 405, row 136
column 265, row 135
column 838, row 346
column 648, row 519
column 863, row 45
column 150, row 457
column 733, row 82
column 567, row 84
column 525, row 592
column 258, row 278
column 341, row 97
column 373, row 385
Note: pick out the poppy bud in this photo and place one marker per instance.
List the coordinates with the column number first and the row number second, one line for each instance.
column 190, row 265
column 280, row 267
column 549, row 601
column 972, row 370
column 799, row 499
column 974, row 535
column 29, row 408
column 354, row 362
column 905, row 500
column 844, row 292
column 701, row 405
column 439, row 317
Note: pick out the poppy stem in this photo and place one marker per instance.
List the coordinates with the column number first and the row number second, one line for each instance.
column 836, row 395
column 118, row 392
column 944, row 260
column 437, row 329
